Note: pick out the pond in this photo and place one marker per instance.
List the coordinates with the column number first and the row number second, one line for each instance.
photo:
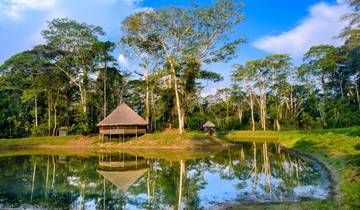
column 247, row 173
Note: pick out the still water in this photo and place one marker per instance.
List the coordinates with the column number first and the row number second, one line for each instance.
column 249, row 173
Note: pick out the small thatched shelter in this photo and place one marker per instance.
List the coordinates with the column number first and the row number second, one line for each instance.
column 208, row 125
column 122, row 121
column 62, row 131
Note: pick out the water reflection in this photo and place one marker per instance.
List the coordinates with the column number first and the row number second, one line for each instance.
column 252, row 172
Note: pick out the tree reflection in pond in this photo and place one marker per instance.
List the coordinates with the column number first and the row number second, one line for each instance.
column 251, row 172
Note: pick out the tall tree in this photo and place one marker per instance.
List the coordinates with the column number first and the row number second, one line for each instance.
column 77, row 42
column 196, row 34
column 103, row 50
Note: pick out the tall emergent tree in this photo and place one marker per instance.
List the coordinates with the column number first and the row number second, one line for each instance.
column 198, row 34
column 77, row 41
column 147, row 55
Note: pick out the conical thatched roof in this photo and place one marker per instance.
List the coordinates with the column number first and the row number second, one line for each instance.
column 209, row 124
column 123, row 179
column 122, row 115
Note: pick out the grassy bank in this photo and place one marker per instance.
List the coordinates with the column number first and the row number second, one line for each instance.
column 166, row 140
column 170, row 140
column 337, row 148
column 37, row 141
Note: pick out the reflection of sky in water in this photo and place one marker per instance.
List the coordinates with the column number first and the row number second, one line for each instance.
column 219, row 190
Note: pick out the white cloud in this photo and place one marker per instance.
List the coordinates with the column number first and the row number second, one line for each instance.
column 15, row 8
column 145, row 9
column 320, row 27
column 123, row 60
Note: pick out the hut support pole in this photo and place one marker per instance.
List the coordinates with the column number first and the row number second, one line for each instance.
column 136, row 132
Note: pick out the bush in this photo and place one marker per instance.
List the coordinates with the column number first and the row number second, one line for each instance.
column 79, row 129
column 41, row 130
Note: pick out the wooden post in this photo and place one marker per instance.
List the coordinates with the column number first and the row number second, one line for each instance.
column 136, row 132
column 110, row 136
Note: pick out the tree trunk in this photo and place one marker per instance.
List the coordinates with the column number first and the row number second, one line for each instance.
column 33, row 181
column 227, row 118
column 252, row 111
column 277, row 124
column 182, row 118
column 262, row 106
column 47, row 177
column 341, row 88
column 105, row 101
column 83, row 100
column 55, row 121
column 182, row 172
column 181, row 122
column 148, row 188
column 147, row 106
column 324, row 85
column 254, row 166
column 49, row 116
column 153, row 114
column 36, row 112
column 357, row 94
column 240, row 113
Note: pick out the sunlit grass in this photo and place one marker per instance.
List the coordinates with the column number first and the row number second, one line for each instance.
column 170, row 139
column 36, row 141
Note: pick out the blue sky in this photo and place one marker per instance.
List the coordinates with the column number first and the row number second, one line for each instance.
column 271, row 26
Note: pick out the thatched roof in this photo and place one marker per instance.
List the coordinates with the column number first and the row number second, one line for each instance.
column 123, row 179
column 209, row 124
column 122, row 115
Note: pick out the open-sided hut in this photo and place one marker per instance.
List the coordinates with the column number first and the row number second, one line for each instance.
column 209, row 127
column 122, row 121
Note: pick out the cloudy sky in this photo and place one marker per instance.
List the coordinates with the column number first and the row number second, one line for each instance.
column 271, row 26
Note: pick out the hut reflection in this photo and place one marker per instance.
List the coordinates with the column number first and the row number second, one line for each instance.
column 122, row 171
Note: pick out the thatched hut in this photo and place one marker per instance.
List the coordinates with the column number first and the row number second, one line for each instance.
column 122, row 121
column 62, row 131
column 209, row 127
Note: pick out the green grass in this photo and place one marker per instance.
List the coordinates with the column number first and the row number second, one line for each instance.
column 36, row 141
column 337, row 148
column 259, row 136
